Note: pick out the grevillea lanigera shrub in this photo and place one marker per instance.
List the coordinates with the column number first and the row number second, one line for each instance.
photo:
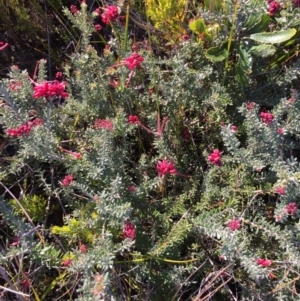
column 137, row 177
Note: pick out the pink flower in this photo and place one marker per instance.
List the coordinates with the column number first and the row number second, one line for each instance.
column 82, row 248
column 264, row 262
column 134, row 61
column 15, row 85
column 74, row 9
column 291, row 208
column 67, row 180
column 280, row 190
column 185, row 37
column 296, row 3
column 129, row 230
column 97, row 27
column 234, row 224
column 165, row 167
column 3, row 45
column 66, row 262
column 274, row 8
column 50, row 89
column 133, row 119
column 250, row 106
column 267, row 117
column 103, row 124
column 234, row 128
column 215, row 157
column 280, row 131
column 110, row 14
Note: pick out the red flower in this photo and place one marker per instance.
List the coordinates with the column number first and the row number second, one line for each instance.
column 82, row 248
column 165, row 167
column 110, row 14
column 185, row 37
column 122, row 20
column 66, row 262
column 280, row 190
column 59, row 75
column 274, row 8
column 50, row 89
column 234, row 224
column 264, row 262
column 67, row 180
column 133, row 119
column 25, row 283
column 267, row 117
column 74, row 9
column 134, row 61
column 291, row 208
column 129, row 230
column 97, row 27
column 215, row 157
column 103, row 124
column 24, row 129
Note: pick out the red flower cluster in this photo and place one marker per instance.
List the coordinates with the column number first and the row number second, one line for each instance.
column 24, row 129
column 110, row 14
column 264, row 262
column 134, row 61
column 103, row 124
column 67, row 180
column 74, row 10
column 234, row 224
column 274, row 7
column 133, row 119
column 280, row 190
column 215, row 157
column 267, row 117
column 291, row 208
column 50, row 89
column 165, row 167
column 129, row 230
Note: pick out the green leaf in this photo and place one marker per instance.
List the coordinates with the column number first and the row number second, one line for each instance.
column 263, row 50
column 252, row 20
column 213, row 5
column 197, row 26
column 245, row 57
column 274, row 37
column 217, row 54
column 240, row 75
column 260, row 26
